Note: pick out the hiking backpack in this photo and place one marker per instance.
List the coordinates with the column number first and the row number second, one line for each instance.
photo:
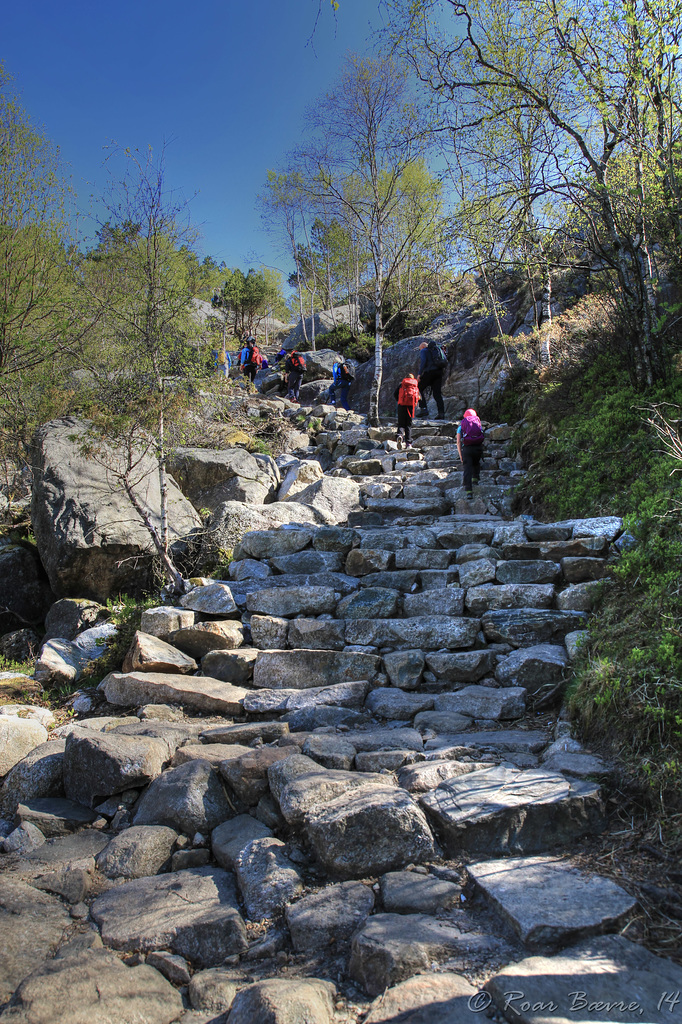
column 472, row 431
column 437, row 357
column 409, row 392
column 256, row 357
column 297, row 361
column 336, row 372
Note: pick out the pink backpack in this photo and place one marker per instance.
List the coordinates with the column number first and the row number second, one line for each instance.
column 472, row 431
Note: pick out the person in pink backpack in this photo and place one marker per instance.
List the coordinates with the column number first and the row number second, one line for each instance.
column 470, row 438
column 407, row 396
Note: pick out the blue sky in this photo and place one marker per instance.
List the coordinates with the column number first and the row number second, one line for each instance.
column 225, row 83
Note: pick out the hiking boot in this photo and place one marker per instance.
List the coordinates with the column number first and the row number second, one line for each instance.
column 476, row 483
column 423, row 414
column 409, row 444
column 470, row 495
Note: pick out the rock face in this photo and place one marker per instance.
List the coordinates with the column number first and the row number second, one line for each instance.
column 25, row 594
column 208, row 477
column 91, row 540
column 32, row 925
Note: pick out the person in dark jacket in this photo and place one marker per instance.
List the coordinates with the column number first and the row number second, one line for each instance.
column 430, row 376
column 294, row 368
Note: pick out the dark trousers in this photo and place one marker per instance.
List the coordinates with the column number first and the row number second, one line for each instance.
column 294, row 383
column 471, row 460
column 432, row 379
column 405, row 422
column 250, row 370
column 342, row 391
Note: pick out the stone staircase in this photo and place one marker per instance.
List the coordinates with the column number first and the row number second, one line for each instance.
column 353, row 752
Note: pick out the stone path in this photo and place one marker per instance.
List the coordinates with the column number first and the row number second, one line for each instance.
column 334, row 785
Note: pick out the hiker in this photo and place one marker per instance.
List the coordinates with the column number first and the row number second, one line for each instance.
column 470, row 449
column 407, row 396
column 294, row 369
column 251, row 364
column 432, row 363
column 282, row 354
column 223, row 361
column 343, row 379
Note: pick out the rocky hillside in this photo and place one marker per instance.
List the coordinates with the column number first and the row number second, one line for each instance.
column 331, row 782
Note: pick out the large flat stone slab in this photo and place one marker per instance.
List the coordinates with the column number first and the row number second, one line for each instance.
column 299, row 670
column 550, row 903
column 32, row 925
column 202, row 693
column 527, row 627
column 509, row 810
column 345, row 695
column 99, row 764
column 193, row 913
column 331, row 915
column 601, row 981
column 499, row 741
column 92, row 986
column 484, row 702
column 429, row 632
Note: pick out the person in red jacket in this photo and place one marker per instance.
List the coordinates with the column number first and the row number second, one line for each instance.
column 407, row 396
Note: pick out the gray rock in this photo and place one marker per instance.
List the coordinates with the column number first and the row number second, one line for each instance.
column 549, row 902
column 209, row 477
column 331, row 498
column 533, row 667
column 70, row 616
column 214, row 599
column 430, row 632
column 230, row 666
column 426, row 999
column 450, row 601
column 607, row 527
column 25, row 595
column 91, row 541
column 267, row 879
column 249, row 569
column 290, row 601
column 392, row 947
column 323, row 716
column 164, row 619
column 350, row 695
column 499, row 741
column 362, row 561
column 284, row 772
column 302, row 669
column 369, row 603
column 148, row 653
column 245, row 733
column 508, row 810
column 338, row 832
column 74, row 852
column 477, row 572
column 198, row 640
column 582, row 597
column 405, row 668
column 247, row 775
column 273, row 543
column 493, row 597
column 392, row 703
column 523, row 627
column 24, row 839
column 18, row 737
column 269, row 632
column 229, row 839
column 442, row 721
column 201, row 693
column 574, row 642
column 406, row 892
column 214, row 753
column 578, row 570
column 329, row 916
column 138, row 851
column 380, row 760
column 317, row 634
column 529, row 571
column 599, row 979
column 193, row 913
column 482, row 702
column 285, row 1001
column 579, row 764
column 189, row 799
column 463, row 667
column 334, row 538
column 420, row 778
column 231, row 520
column 32, row 925
column 330, row 751
column 55, row 816
column 93, row 985
column 98, row 765
column 213, row 990
column 172, row 966
column 310, row 791
column 308, row 562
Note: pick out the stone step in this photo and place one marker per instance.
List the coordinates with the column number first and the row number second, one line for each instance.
column 507, row 810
